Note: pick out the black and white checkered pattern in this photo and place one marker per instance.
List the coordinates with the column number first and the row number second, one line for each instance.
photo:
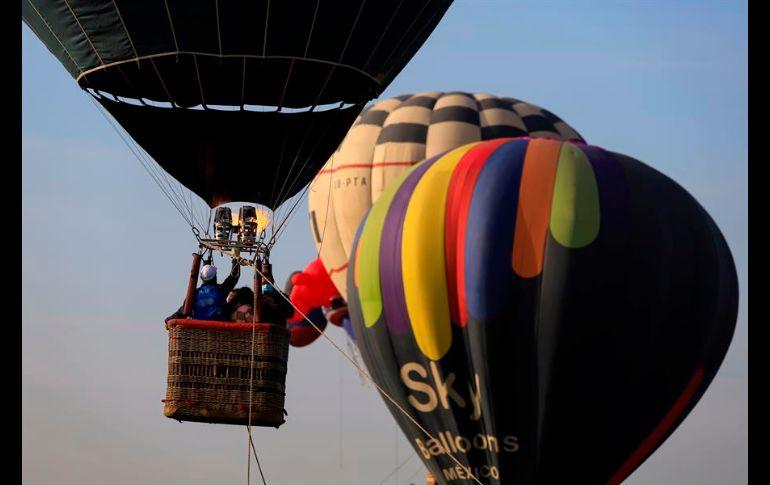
column 433, row 122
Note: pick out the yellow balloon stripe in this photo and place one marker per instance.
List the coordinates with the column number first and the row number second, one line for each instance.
column 422, row 257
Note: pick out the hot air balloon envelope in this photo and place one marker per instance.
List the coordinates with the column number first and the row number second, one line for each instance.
column 548, row 311
column 275, row 85
column 391, row 136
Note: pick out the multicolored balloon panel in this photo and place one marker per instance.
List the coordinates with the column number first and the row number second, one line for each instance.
column 547, row 310
column 393, row 135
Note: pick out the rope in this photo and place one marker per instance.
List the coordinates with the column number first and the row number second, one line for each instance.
column 419, row 468
column 176, row 195
column 250, row 444
column 307, row 159
column 405, row 52
column 362, row 371
column 371, row 379
column 130, row 85
column 251, row 389
column 342, row 55
column 294, row 162
column 77, row 20
column 406, row 33
column 341, row 413
column 396, row 436
column 326, row 215
column 315, row 103
column 171, row 24
column 200, row 83
column 163, row 84
column 278, row 172
column 312, row 27
column 395, row 470
column 387, row 27
column 264, row 40
column 285, row 219
column 219, row 34
column 125, row 29
column 256, row 458
column 243, row 84
column 179, row 52
column 328, row 204
column 286, row 85
column 55, row 37
column 178, row 191
column 146, row 166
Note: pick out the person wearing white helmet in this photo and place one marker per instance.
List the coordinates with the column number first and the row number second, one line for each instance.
column 210, row 297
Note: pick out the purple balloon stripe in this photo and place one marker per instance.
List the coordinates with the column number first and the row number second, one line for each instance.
column 391, row 272
column 613, row 191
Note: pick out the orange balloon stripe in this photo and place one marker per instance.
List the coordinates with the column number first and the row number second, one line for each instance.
column 533, row 214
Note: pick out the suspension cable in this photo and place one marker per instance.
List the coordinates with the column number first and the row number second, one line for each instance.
column 371, row 379
column 419, row 468
column 328, row 204
column 175, row 194
column 256, row 458
column 385, row 31
column 304, row 165
column 250, row 444
column 174, row 201
column 350, row 359
column 315, row 103
column 397, row 468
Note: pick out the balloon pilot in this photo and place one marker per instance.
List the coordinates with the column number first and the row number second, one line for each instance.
column 209, row 301
column 222, row 302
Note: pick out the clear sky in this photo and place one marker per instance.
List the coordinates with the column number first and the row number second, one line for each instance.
column 105, row 256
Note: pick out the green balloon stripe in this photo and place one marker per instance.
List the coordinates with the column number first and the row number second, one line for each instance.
column 575, row 215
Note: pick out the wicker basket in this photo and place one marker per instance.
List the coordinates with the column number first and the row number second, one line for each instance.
column 210, row 372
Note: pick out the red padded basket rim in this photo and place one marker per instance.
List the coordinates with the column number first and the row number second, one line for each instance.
column 226, row 326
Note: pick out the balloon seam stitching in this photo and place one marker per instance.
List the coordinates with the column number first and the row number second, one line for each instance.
column 177, row 52
column 55, row 36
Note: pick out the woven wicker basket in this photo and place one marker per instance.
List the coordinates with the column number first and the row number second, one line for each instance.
column 210, row 372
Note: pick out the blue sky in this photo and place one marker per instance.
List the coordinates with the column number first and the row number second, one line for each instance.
column 105, row 255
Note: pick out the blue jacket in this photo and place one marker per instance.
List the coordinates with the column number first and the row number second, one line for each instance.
column 211, row 299
column 210, row 302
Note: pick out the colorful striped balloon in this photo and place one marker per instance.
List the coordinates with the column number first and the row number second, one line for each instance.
column 394, row 134
column 548, row 310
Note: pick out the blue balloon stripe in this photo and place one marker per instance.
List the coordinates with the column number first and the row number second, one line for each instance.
column 489, row 232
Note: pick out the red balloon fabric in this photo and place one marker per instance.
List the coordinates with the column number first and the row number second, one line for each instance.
column 311, row 289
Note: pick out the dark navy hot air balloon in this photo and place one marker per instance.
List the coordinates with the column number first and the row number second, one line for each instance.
column 238, row 100
column 547, row 310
